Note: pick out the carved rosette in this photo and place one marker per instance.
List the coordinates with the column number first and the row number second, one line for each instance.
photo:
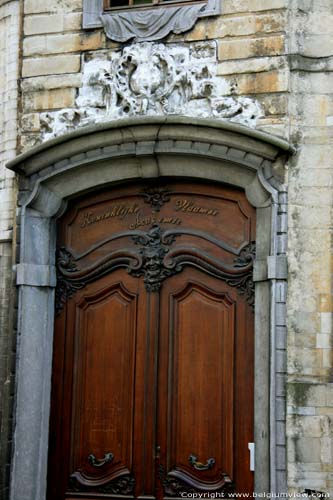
column 154, row 246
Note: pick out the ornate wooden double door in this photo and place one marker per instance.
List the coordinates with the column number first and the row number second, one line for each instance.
column 153, row 353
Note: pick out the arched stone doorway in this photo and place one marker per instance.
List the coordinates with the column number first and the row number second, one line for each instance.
column 101, row 156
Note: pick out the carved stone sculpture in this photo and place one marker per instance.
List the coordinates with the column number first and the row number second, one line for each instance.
column 150, row 24
column 153, row 79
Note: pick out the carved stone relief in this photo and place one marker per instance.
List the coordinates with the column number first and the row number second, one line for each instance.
column 151, row 23
column 150, row 79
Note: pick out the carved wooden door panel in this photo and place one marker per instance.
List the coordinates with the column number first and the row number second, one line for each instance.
column 153, row 353
column 204, row 357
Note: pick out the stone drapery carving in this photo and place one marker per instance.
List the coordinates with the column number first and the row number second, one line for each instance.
column 151, row 24
column 150, row 79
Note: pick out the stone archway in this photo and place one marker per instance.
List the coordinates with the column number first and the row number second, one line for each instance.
column 90, row 158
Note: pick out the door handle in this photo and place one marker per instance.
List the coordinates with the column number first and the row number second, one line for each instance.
column 199, row 465
column 95, row 462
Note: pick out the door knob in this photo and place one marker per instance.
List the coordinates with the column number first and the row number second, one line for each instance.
column 95, row 462
column 199, row 465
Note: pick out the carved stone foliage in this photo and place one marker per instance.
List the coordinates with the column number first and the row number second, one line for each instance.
column 154, row 245
column 153, row 79
column 123, row 485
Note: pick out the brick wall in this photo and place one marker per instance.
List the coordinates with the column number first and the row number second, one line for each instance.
column 9, row 61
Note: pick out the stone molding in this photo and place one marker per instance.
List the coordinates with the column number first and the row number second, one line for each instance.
column 97, row 157
column 299, row 62
column 144, row 130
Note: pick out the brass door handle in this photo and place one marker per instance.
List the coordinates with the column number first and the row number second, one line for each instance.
column 95, row 462
column 199, row 465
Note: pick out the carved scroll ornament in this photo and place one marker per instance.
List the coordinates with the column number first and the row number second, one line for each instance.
column 177, row 482
column 154, row 259
column 123, row 485
column 103, row 480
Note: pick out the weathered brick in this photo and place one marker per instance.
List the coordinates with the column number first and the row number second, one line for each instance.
column 49, row 99
column 51, row 82
column 30, row 122
column 253, row 65
column 230, row 6
column 308, row 450
column 57, row 44
column 259, row 83
column 51, row 23
column 28, row 141
column 319, row 24
column 318, row 45
column 325, row 302
column 251, row 47
column 246, row 25
column 326, row 323
column 197, row 33
column 51, row 65
column 323, row 341
column 314, row 83
column 40, row 6
column 305, row 361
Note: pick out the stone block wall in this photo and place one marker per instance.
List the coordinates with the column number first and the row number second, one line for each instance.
column 250, row 41
column 310, row 306
column 9, row 71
